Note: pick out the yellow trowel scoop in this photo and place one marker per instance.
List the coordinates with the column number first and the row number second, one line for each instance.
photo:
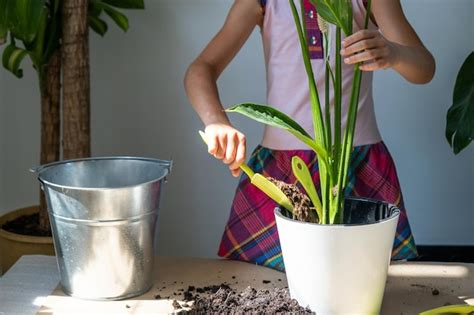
column 262, row 183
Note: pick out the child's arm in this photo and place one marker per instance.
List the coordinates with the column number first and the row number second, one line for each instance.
column 397, row 46
column 224, row 142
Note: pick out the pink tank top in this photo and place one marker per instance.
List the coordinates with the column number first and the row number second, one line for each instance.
column 287, row 83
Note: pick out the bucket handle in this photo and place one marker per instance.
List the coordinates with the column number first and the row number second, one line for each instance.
column 39, row 168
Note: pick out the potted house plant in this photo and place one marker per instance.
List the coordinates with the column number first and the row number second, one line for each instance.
column 459, row 126
column 54, row 35
column 336, row 250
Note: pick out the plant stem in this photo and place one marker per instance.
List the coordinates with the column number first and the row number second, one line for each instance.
column 314, row 96
column 49, row 77
column 327, row 107
column 348, row 136
column 334, row 209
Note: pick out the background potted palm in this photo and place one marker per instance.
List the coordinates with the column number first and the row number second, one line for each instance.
column 336, row 250
column 54, row 35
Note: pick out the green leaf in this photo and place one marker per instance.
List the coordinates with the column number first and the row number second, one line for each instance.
column 272, row 117
column 119, row 18
column 460, row 116
column 126, row 4
column 12, row 58
column 302, row 173
column 337, row 12
column 3, row 21
column 23, row 18
column 98, row 25
column 95, row 8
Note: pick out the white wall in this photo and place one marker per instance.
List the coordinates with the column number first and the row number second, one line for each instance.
column 139, row 108
column 438, row 186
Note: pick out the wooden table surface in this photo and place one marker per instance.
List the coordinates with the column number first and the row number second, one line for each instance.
column 412, row 287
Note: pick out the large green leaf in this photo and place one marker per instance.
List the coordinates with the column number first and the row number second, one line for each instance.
column 96, row 7
column 119, row 18
column 337, row 12
column 126, row 4
column 24, row 17
column 272, row 117
column 460, row 117
column 12, row 58
column 3, row 21
column 98, row 25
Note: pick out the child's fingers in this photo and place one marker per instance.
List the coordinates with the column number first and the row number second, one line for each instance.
column 358, row 36
column 235, row 172
column 212, row 144
column 240, row 154
column 367, row 55
column 231, row 148
column 375, row 65
column 361, row 46
column 221, row 139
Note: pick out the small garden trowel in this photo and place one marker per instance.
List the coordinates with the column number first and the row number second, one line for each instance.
column 262, row 183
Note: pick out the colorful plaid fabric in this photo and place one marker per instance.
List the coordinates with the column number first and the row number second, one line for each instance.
column 251, row 234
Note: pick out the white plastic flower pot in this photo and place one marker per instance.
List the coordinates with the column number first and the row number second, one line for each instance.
column 340, row 269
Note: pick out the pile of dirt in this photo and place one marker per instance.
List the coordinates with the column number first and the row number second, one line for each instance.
column 26, row 225
column 222, row 299
column 303, row 210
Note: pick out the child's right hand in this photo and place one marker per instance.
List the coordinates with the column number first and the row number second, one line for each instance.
column 228, row 144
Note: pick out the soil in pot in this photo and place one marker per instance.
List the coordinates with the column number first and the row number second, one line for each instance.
column 25, row 225
column 303, row 208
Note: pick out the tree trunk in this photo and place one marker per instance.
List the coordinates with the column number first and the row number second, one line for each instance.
column 50, row 125
column 76, row 90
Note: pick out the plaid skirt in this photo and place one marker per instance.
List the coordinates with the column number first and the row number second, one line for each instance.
column 251, row 234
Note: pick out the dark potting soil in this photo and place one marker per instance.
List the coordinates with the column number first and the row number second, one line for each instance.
column 303, row 210
column 222, row 299
column 26, row 225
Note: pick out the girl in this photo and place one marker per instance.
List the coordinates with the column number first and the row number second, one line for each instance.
column 389, row 42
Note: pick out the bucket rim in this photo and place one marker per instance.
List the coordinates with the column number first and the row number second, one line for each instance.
column 394, row 215
column 41, row 168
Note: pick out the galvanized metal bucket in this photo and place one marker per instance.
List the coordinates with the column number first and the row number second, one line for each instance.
column 103, row 214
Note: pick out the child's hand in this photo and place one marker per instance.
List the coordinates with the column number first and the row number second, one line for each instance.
column 370, row 47
column 227, row 144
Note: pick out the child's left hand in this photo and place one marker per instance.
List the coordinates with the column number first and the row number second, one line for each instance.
column 371, row 48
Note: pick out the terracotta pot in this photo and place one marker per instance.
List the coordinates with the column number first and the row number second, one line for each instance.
column 13, row 246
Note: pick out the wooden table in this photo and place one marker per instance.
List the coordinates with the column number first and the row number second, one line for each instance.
column 412, row 286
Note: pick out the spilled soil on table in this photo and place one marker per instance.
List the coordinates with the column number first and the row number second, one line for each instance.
column 222, row 299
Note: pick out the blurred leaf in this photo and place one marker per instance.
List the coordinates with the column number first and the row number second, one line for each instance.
column 119, row 18
column 23, row 18
column 56, row 5
column 98, row 25
column 95, row 8
column 3, row 21
column 126, row 4
column 12, row 58
column 337, row 12
column 460, row 116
